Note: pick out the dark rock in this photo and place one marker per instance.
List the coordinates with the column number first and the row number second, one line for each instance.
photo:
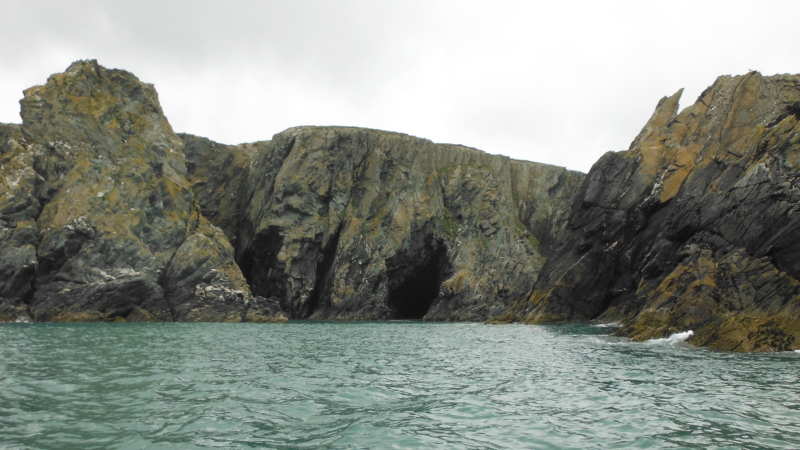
column 358, row 224
column 344, row 223
column 107, row 214
column 694, row 227
column 98, row 219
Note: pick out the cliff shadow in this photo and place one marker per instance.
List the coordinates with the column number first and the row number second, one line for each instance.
column 415, row 278
column 257, row 262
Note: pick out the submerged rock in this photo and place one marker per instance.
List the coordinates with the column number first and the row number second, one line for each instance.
column 696, row 226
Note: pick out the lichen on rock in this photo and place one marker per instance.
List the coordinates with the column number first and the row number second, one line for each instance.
column 694, row 227
column 108, row 215
column 357, row 224
column 101, row 206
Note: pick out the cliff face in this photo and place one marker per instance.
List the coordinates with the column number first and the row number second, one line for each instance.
column 350, row 223
column 696, row 226
column 107, row 214
column 97, row 219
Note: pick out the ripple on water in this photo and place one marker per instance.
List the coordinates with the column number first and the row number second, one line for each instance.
column 378, row 385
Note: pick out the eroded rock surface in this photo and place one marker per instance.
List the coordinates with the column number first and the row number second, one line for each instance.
column 696, row 226
column 107, row 214
column 97, row 218
column 358, row 224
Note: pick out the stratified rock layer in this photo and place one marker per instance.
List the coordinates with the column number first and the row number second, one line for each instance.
column 97, row 219
column 696, row 226
column 359, row 224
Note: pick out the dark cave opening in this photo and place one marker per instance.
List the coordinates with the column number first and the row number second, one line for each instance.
column 415, row 284
column 256, row 261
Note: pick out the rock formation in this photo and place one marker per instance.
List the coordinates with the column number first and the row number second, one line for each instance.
column 696, row 226
column 348, row 223
column 97, row 219
column 107, row 214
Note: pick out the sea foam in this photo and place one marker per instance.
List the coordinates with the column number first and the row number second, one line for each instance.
column 674, row 338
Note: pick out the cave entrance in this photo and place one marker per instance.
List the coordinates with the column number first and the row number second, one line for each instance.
column 257, row 261
column 414, row 283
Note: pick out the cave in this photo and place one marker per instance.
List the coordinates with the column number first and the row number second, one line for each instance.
column 415, row 281
column 257, row 260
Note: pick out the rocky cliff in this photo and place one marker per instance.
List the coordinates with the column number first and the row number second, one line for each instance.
column 696, row 226
column 107, row 214
column 348, row 223
column 97, row 218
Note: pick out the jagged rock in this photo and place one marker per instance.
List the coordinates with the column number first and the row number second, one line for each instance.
column 203, row 282
column 19, row 208
column 359, row 224
column 219, row 175
column 98, row 219
column 103, row 217
column 694, row 227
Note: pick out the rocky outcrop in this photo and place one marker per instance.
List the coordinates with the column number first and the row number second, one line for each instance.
column 356, row 224
column 19, row 209
column 696, row 226
column 107, row 214
column 97, row 218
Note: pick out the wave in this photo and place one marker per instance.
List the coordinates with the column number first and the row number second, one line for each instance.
column 673, row 338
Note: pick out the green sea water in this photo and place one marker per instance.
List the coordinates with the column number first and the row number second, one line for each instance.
column 384, row 385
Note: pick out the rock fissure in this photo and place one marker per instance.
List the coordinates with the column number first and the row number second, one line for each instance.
column 324, row 273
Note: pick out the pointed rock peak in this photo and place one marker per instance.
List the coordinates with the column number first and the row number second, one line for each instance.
column 669, row 105
column 93, row 104
column 84, row 66
column 665, row 112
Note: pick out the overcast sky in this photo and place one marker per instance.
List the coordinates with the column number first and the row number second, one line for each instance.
column 554, row 82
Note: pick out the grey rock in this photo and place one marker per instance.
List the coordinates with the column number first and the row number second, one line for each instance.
column 694, row 227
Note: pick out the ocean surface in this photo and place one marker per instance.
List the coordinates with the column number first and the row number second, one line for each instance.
column 384, row 385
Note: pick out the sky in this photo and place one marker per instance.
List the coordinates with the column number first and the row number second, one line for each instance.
column 554, row 82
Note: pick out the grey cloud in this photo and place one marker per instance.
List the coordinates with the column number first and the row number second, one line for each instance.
column 552, row 82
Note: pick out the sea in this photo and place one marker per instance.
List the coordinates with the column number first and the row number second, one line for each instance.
column 384, row 385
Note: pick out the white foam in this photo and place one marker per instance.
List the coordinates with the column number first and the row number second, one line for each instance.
column 608, row 325
column 22, row 319
column 680, row 337
column 674, row 338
